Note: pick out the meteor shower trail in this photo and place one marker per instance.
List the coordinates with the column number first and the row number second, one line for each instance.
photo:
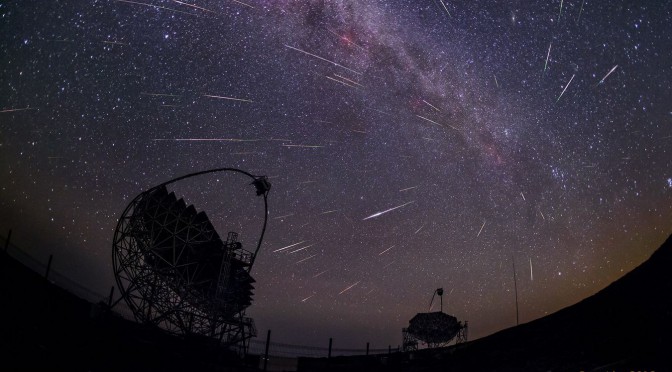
column 607, row 75
column 392, row 133
column 348, row 288
column 323, row 59
column 387, row 211
column 566, row 86
column 228, row 98
column 481, row 230
column 548, row 55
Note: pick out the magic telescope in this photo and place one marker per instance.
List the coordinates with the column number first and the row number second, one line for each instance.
column 433, row 329
column 174, row 271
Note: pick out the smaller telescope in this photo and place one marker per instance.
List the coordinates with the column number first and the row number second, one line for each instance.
column 433, row 329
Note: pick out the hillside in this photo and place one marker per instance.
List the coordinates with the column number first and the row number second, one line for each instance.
column 626, row 326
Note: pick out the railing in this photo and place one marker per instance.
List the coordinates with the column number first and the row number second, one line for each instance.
column 61, row 280
column 256, row 346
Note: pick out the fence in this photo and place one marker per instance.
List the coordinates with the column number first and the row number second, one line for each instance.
column 54, row 277
column 258, row 347
column 275, row 356
column 277, row 353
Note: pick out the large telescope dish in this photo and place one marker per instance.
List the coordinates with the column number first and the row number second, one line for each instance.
column 174, row 271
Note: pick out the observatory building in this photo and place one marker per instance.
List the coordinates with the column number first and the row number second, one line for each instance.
column 433, row 329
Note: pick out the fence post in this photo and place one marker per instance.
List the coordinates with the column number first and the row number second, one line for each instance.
column 389, row 349
column 268, row 341
column 367, row 348
column 330, row 342
column 46, row 274
column 109, row 300
column 9, row 236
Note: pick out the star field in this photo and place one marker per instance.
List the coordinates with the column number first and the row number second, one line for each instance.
column 411, row 145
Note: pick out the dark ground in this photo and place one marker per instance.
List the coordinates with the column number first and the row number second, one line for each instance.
column 43, row 327
column 625, row 327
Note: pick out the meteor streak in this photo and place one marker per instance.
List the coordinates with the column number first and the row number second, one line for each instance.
column 113, row 42
column 303, row 146
column 300, row 249
column 229, row 98
column 444, row 7
column 17, row 109
column 155, row 6
column 548, row 55
column 159, row 94
column 352, row 81
column 323, row 59
column 408, row 188
column 306, row 299
column 206, row 139
column 279, row 217
column 381, row 253
column 430, row 105
column 521, row 194
column 193, row 6
column 479, row 231
column 420, row 228
column 320, row 273
column 580, row 11
column 342, row 82
column 566, row 86
column 607, row 75
column 388, row 210
column 429, row 120
column 289, row 246
column 345, row 290
column 560, row 10
column 242, row 3
column 331, row 211
column 531, row 275
column 305, row 259
column 433, row 122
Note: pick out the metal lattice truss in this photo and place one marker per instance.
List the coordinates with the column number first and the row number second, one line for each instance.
column 174, row 271
column 433, row 330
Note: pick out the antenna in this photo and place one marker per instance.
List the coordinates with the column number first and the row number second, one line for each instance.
column 515, row 286
column 437, row 292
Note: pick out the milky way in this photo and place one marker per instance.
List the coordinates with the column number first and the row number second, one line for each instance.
column 411, row 145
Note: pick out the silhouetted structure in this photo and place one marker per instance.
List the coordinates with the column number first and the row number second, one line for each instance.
column 434, row 329
column 174, row 271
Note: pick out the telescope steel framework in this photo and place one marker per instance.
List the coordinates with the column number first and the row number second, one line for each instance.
column 433, row 329
column 175, row 272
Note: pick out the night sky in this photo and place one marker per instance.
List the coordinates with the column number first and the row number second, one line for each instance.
column 491, row 133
